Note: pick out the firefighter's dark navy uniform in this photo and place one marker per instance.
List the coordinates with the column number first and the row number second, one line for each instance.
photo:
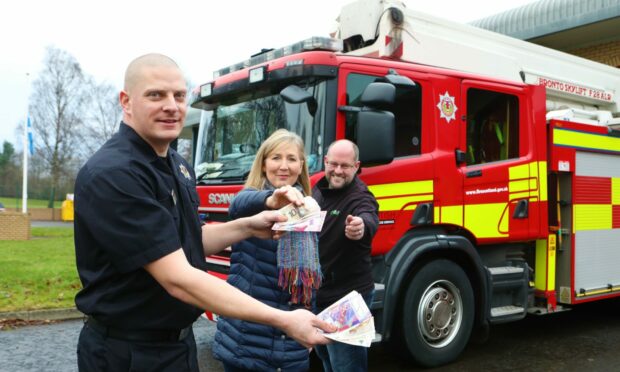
column 133, row 207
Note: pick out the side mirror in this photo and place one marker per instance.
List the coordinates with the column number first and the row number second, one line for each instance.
column 375, row 127
column 379, row 95
column 375, row 137
column 295, row 94
column 399, row 81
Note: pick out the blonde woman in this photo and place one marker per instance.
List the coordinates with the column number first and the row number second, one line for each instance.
column 279, row 176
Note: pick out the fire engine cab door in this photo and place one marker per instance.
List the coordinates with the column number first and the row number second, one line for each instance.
column 407, row 182
column 498, row 160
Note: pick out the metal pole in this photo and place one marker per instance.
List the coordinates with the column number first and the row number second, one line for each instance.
column 25, row 150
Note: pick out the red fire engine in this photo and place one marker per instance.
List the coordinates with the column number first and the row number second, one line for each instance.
column 493, row 160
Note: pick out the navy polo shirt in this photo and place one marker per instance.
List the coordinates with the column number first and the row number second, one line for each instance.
column 133, row 207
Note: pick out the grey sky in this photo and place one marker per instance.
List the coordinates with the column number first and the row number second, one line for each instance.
column 201, row 36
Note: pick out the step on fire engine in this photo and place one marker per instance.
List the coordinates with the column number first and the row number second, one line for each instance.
column 494, row 162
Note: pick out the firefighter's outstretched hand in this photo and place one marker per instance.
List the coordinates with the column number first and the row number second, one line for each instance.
column 260, row 224
column 354, row 227
column 304, row 327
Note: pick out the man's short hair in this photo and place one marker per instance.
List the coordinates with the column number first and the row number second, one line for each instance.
column 134, row 68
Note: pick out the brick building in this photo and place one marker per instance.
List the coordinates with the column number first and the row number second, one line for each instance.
column 586, row 28
column 14, row 226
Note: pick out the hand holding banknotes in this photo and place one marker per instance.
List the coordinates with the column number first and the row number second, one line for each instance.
column 283, row 196
column 354, row 321
column 305, row 218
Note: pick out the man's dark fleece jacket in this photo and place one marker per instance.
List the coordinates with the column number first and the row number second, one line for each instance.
column 345, row 263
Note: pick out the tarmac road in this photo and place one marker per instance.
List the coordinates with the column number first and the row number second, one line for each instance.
column 584, row 339
column 52, row 347
column 51, row 224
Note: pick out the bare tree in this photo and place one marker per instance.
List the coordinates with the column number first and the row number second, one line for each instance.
column 56, row 108
column 103, row 116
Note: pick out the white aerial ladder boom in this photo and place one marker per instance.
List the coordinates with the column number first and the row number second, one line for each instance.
column 374, row 28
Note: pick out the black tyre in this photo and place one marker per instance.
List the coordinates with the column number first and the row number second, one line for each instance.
column 438, row 313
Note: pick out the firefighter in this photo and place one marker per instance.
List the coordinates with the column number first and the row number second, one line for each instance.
column 140, row 247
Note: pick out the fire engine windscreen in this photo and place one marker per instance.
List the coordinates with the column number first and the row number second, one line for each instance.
column 234, row 132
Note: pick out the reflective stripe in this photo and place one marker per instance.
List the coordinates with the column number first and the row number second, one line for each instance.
column 542, row 179
column 487, row 220
column 451, row 214
column 402, row 203
column 592, row 217
column 545, row 258
column 518, row 186
column 519, row 172
column 520, row 195
column 615, row 191
column 402, row 195
column 582, row 140
column 402, row 188
column 540, row 279
column 528, row 181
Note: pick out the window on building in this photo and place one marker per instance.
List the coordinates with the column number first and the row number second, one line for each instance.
column 492, row 126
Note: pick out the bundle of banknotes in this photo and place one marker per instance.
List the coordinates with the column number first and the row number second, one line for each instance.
column 307, row 217
column 354, row 320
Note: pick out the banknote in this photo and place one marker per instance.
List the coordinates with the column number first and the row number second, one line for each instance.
column 307, row 217
column 311, row 223
column 296, row 213
column 353, row 318
column 359, row 335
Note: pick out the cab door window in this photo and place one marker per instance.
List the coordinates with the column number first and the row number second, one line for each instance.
column 492, row 126
column 407, row 110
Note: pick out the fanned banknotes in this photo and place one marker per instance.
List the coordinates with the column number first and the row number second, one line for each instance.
column 353, row 318
column 307, row 217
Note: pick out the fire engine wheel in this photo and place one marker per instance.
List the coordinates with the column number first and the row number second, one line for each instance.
column 438, row 313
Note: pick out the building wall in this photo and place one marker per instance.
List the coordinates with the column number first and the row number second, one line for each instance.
column 607, row 53
column 14, row 226
column 42, row 214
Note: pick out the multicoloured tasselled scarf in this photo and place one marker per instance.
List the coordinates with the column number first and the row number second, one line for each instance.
column 299, row 270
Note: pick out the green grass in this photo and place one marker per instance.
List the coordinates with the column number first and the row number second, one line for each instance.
column 32, row 203
column 39, row 273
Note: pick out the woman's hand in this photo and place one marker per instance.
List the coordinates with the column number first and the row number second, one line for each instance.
column 284, row 196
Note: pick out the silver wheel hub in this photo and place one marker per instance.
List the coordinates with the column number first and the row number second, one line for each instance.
column 440, row 313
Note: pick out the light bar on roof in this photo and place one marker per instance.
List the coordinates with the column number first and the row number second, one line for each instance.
column 257, row 74
column 313, row 43
column 206, row 89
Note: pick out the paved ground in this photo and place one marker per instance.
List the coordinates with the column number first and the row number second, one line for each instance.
column 52, row 347
column 584, row 339
column 51, row 224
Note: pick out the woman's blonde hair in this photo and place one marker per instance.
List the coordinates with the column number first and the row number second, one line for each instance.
column 257, row 178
